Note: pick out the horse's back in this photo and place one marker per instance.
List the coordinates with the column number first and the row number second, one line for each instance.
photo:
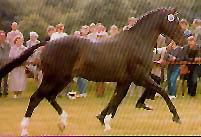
column 60, row 54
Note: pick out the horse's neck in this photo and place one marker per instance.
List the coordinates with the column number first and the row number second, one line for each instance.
column 148, row 26
column 146, row 34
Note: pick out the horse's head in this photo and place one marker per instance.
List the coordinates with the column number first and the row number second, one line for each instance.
column 170, row 26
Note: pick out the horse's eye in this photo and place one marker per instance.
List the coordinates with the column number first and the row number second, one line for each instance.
column 171, row 17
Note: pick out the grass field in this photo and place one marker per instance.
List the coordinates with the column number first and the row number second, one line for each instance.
column 82, row 112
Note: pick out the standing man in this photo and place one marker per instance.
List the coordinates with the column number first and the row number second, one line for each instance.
column 81, row 82
column 185, row 25
column 13, row 33
column 173, row 54
column 59, row 32
column 131, row 23
column 191, row 52
column 4, row 56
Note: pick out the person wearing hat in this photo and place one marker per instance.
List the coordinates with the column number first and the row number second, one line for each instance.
column 17, row 75
column 4, row 57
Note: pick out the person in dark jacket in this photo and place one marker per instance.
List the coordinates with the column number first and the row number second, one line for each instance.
column 192, row 53
column 173, row 54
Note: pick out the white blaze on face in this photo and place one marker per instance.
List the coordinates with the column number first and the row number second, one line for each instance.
column 171, row 17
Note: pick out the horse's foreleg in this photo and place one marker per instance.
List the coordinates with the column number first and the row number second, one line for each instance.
column 34, row 101
column 151, row 84
column 51, row 97
column 109, row 112
column 63, row 115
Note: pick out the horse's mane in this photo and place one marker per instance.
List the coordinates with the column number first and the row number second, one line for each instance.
column 147, row 14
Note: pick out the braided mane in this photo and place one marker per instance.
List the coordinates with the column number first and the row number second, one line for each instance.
column 147, row 14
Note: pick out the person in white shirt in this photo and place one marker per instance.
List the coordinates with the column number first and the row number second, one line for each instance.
column 33, row 39
column 59, row 32
column 92, row 32
column 101, row 33
column 57, row 35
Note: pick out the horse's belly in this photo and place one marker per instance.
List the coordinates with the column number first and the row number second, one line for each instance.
column 106, row 75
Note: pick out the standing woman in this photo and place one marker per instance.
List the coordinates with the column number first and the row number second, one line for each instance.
column 17, row 76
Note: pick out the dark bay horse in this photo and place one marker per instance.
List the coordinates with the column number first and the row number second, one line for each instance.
column 124, row 59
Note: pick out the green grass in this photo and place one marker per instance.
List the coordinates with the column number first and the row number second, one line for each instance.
column 82, row 112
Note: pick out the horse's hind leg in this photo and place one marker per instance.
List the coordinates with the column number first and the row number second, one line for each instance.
column 141, row 101
column 35, row 99
column 148, row 94
column 151, row 84
column 109, row 112
column 51, row 97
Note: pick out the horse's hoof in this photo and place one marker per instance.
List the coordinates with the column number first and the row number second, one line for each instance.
column 144, row 106
column 107, row 129
column 61, row 126
column 101, row 119
column 176, row 119
column 24, row 132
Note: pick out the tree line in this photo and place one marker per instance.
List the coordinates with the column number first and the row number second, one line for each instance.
column 36, row 15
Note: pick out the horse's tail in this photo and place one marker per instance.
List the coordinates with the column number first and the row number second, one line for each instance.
column 19, row 60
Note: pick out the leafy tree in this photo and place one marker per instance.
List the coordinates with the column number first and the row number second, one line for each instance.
column 33, row 23
column 106, row 12
column 36, row 15
column 7, row 14
column 196, row 10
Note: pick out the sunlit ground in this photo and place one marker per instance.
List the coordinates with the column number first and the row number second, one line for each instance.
column 82, row 112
